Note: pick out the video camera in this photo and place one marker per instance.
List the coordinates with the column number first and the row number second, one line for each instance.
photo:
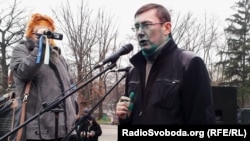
column 52, row 35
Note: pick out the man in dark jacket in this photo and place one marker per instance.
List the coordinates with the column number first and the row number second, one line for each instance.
column 166, row 85
column 90, row 129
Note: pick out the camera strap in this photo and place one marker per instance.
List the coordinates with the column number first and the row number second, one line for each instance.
column 46, row 54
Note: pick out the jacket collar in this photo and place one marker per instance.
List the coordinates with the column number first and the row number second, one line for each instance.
column 139, row 60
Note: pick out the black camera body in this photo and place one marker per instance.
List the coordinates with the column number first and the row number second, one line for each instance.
column 53, row 35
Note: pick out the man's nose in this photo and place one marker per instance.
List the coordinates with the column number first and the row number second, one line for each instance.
column 141, row 32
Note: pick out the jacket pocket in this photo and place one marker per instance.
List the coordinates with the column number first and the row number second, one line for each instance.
column 133, row 86
column 167, row 93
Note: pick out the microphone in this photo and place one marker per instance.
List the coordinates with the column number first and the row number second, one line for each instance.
column 124, row 50
column 123, row 69
column 132, row 98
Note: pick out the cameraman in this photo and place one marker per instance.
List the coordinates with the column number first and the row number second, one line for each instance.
column 90, row 130
column 49, row 80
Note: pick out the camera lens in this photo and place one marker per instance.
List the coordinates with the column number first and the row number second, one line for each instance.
column 48, row 33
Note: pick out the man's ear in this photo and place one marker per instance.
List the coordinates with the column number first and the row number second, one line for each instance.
column 167, row 28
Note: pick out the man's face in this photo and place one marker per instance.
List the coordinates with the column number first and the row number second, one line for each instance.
column 150, row 30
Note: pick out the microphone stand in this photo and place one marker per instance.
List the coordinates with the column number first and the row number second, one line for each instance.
column 56, row 102
column 83, row 119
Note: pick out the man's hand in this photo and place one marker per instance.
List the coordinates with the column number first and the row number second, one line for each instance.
column 83, row 134
column 92, row 133
column 122, row 110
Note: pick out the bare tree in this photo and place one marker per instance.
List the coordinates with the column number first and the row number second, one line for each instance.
column 107, row 34
column 200, row 37
column 81, row 35
column 89, row 38
column 11, row 31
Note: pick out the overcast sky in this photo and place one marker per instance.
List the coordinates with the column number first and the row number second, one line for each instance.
column 124, row 10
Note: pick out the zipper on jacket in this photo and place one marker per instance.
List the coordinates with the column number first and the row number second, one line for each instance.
column 169, row 81
column 140, row 113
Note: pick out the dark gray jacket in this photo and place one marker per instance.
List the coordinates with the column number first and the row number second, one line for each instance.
column 48, row 83
column 178, row 89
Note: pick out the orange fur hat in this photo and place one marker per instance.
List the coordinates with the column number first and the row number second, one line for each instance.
column 38, row 19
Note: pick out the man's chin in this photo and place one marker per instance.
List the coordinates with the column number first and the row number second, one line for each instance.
column 145, row 47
